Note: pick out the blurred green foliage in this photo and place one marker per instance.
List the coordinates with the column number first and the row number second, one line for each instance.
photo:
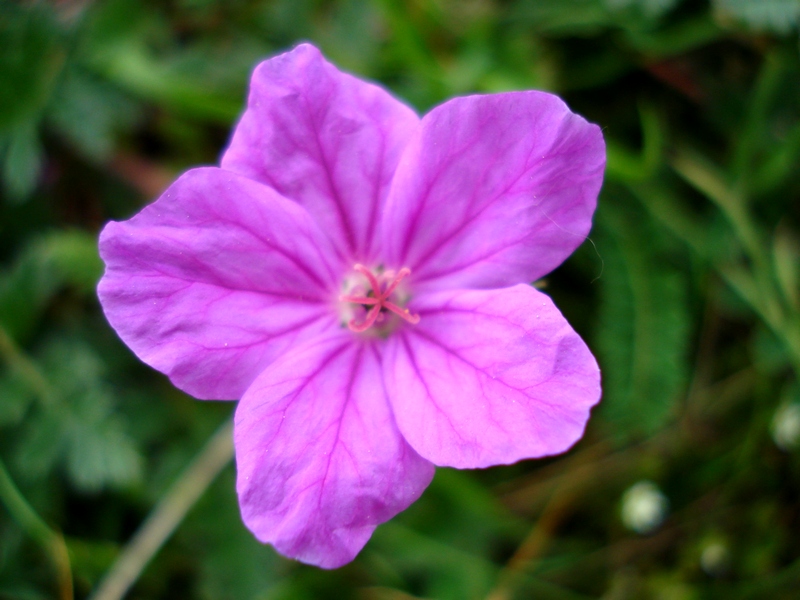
column 688, row 291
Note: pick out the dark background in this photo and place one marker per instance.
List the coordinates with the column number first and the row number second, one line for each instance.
column 687, row 292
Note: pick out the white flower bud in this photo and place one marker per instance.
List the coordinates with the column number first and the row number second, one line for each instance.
column 786, row 427
column 644, row 507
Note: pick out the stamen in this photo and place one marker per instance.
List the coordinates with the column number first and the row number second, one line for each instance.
column 378, row 298
column 400, row 276
column 358, row 300
column 368, row 274
column 402, row 312
column 372, row 315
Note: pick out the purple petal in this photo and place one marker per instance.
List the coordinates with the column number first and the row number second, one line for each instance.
column 319, row 458
column 217, row 278
column 493, row 191
column 326, row 140
column 490, row 377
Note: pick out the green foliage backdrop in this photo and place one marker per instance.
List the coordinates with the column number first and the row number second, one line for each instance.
column 688, row 292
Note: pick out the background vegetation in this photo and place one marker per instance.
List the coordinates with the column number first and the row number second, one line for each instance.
column 688, row 293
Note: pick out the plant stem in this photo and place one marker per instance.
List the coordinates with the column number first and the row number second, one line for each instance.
column 703, row 177
column 28, row 369
column 167, row 515
column 36, row 528
column 15, row 502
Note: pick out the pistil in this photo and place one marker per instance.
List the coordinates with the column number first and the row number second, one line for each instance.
column 377, row 299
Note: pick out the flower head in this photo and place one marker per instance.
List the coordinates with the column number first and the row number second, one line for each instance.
column 358, row 278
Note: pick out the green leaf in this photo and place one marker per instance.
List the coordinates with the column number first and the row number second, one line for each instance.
column 90, row 559
column 674, row 39
column 780, row 16
column 643, row 332
column 100, row 454
column 15, row 397
column 780, row 164
column 786, row 255
column 563, row 17
column 183, row 83
column 30, row 61
column 24, row 291
column 98, row 451
column 459, row 574
column 649, row 8
column 79, row 428
column 73, row 257
column 49, row 262
column 22, row 160
column 88, row 113
column 41, row 445
column 234, row 563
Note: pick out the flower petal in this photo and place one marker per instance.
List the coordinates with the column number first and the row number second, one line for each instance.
column 493, row 191
column 326, row 140
column 319, row 458
column 490, row 377
column 214, row 280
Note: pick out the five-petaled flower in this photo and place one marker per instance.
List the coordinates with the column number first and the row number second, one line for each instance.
column 360, row 279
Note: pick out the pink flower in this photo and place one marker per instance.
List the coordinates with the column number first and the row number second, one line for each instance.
column 359, row 278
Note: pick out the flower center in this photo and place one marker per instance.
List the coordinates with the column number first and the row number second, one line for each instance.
column 376, row 301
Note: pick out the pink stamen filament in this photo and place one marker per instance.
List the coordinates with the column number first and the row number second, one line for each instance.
column 379, row 300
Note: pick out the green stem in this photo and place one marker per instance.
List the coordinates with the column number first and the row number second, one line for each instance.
column 761, row 297
column 18, row 361
column 37, row 529
column 766, row 298
column 705, row 179
column 167, row 515
column 15, row 502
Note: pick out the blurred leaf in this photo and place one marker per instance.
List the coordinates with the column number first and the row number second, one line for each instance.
column 88, row 113
column 30, row 60
column 22, row 592
column 624, row 165
column 90, row 559
column 562, row 17
column 125, row 44
column 769, row 353
column 110, row 22
column 780, row 164
column 354, row 53
column 15, row 396
column 650, row 8
column 780, row 16
column 675, row 38
column 234, row 564
column 74, row 259
column 10, row 540
column 99, row 453
column 182, row 83
column 56, row 259
column 643, row 331
column 383, row 593
column 786, row 253
column 41, row 444
column 22, row 160
column 24, row 292
column 80, row 428
column 459, row 574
